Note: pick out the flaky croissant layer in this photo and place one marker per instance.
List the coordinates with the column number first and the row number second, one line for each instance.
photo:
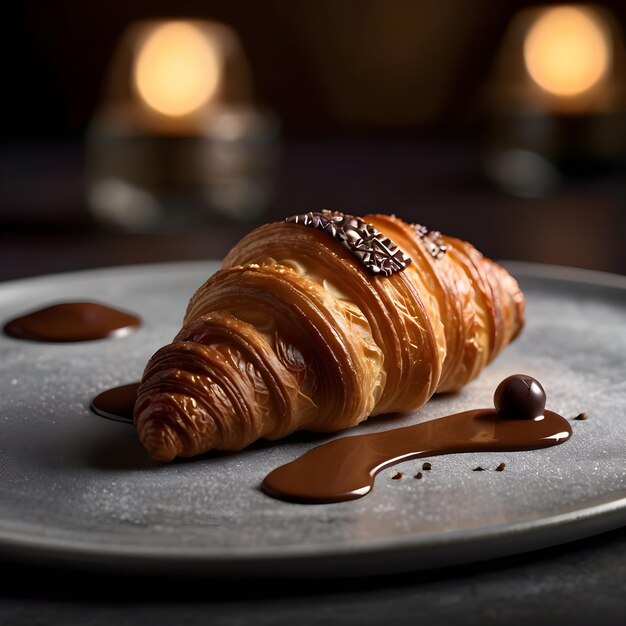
column 297, row 331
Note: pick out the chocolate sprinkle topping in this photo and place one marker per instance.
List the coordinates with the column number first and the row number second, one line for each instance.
column 582, row 416
column 418, row 475
column 378, row 253
column 427, row 466
column 501, row 467
column 432, row 240
column 396, row 475
column 478, row 469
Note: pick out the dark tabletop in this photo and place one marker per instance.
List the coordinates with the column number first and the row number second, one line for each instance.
column 45, row 228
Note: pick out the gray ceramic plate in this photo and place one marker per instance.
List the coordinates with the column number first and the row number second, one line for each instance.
column 79, row 489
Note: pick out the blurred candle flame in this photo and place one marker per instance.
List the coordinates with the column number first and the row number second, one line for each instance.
column 566, row 51
column 177, row 69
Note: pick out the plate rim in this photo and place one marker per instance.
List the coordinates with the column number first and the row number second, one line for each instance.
column 332, row 560
column 529, row 269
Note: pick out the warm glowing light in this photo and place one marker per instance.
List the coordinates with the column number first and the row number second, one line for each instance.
column 567, row 51
column 177, row 69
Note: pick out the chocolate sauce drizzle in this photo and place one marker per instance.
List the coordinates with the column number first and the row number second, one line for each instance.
column 72, row 321
column 432, row 240
column 117, row 403
column 376, row 252
column 344, row 469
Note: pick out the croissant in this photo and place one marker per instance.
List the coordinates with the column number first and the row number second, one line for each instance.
column 318, row 322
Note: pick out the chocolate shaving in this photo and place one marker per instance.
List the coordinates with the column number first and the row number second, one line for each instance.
column 501, row 467
column 478, row 469
column 427, row 466
column 582, row 416
column 418, row 475
column 396, row 475
column 378, row 253
column 432, row 240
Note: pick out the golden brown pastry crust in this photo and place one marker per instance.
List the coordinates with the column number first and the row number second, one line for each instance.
column 294, row 333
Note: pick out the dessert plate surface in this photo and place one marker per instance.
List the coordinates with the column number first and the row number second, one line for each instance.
column 79, row 490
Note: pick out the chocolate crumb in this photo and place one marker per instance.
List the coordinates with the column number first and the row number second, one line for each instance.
column 582, row 416
column 432, row 240
column 427, row 466
column 500, row 467
column 478, row 469
column 396, row 476
column 418, row 475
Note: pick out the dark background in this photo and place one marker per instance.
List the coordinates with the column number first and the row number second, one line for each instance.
column 379, row 103
column 329, row 68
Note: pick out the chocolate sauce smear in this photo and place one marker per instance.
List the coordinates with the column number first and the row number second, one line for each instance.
column 344, row 469
column 72, row 321
column 117, row 403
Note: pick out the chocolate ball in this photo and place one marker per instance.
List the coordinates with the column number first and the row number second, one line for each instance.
column 520, row 397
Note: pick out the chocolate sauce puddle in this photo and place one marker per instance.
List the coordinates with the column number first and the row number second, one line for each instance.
column 72, row 321
column 117, row 403
column 344, row 469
